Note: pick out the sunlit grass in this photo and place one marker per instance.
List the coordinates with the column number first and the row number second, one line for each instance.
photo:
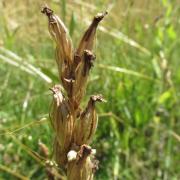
column 137, row 71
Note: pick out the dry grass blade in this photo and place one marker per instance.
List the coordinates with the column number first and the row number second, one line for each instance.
column 125, row 71
column 13, row 63
column 32, row 153
column 12, row 172
column 15, row 60
column 115, row 33
column 119, row 35
column 175, row 135
column 23, row 127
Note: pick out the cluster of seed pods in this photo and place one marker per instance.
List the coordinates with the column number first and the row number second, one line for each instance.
column 73, row 127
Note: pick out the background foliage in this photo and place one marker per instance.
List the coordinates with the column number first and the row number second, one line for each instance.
column 137, row 71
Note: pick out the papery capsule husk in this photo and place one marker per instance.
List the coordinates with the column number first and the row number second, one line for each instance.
column 87, row 40
column 82, row 167
column 81, row 76
column 86, row 125
column 64, row 49
column 62, row 121
column 83, row 59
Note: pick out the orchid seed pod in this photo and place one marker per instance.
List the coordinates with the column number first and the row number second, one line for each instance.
column 87, row 123
column 61, row 119
column 64, row 49
column 81, row 168
column 81, row 75
column 87, row 40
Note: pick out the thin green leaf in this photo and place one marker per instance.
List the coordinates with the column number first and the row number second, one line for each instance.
column 72, row 24
column 13, row 172
column 125, row 71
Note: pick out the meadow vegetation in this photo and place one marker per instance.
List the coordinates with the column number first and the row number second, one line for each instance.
column 136, row 69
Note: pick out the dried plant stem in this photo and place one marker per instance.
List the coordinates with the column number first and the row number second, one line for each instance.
column 74, row 128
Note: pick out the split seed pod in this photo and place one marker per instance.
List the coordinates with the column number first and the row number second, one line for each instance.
column 64, row 49
column 86, row 125
column 81, row 168
column 62, row 121
column 81, row 74
column 87, row 40
column 83, row 59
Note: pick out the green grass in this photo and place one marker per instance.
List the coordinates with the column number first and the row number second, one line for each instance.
column 137, row 71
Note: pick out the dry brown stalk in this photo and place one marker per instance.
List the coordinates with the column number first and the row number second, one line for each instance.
column 74, row 128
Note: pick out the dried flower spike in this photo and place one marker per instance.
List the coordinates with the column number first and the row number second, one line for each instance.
column 74, row 129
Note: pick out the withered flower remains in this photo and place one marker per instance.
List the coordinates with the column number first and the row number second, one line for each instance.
column 74, row 128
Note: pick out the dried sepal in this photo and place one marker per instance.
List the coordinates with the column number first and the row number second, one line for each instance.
column 86, row 125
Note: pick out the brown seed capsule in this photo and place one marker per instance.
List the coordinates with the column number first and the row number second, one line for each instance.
column 81, row 76
column 86, row 125
column 86, row 42
column 62, row 120
column 82, row 167
column 64, row 49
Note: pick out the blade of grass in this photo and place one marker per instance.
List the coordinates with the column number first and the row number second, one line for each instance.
column 63, row 8
column 111, row 114
column 27, row 97
column 43, row 120
column 114, row 32
column 175, row 135
column 119, row 35
column 5, row 84
column 72, row 24
column 125, row 71
column 33, row 154
column 85, row 4
column 12, row 172
column 21, row 63
column 13, row 63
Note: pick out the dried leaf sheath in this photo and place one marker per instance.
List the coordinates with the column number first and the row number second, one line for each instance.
column 74, row 129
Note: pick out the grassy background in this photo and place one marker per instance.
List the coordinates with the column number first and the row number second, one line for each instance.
column 137, row 71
